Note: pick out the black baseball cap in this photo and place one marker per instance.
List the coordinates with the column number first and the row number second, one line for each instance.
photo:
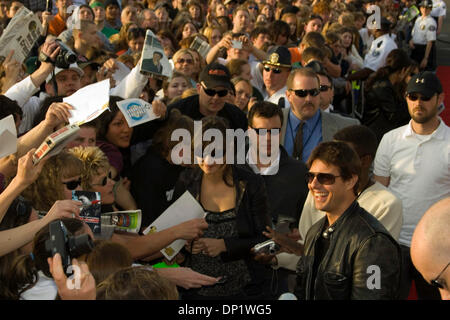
column 425, row 83
column 279, row 56
column 216, row 75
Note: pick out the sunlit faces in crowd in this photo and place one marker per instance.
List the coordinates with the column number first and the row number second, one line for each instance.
column 268, row 12
column 99, row 14
column 326, row 91
column 221, row 11
column 211, row 100
column 266, row 130
column 195, row 12
column 275, row 77
column 149, row 20
column 112, row 12
column 188, row 30
column 102, row 182
column 176, row 86
column 241, row 19
column 162, row 15
column 346, row 40
column 86, row 13
column 314, row 24
column 15, row 6
column 118, row 132
column 423, row 109
column 184, row 62
column 261, row 40
column 243, row 92
column 68, row 82
column 87, row 137
column 129, row 14
column 303, row 93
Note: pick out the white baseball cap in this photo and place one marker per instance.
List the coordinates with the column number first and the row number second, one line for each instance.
column 73, row 67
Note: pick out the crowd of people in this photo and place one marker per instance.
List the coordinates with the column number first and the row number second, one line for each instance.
column 342, row 96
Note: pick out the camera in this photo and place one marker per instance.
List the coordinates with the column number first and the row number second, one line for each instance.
column 65, row 56
column 268, row 247
column 67, row 245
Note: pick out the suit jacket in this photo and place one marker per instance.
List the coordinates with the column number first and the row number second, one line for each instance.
column 331, row 123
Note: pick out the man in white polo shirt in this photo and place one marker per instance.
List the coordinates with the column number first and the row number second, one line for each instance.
column 413, row 162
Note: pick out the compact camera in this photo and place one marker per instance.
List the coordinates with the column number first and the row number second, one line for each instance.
column 67, row 245
column 65, row 56
column 268, row 247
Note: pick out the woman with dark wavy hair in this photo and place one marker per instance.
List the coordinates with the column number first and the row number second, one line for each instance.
column 235, row 203
column 385, row 107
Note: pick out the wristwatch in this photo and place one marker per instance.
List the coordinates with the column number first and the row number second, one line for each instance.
column 44, row 58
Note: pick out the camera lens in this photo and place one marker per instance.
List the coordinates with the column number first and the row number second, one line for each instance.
column 79, row 245
column 70, row 57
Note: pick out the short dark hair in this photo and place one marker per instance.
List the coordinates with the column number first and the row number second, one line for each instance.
column 9, row 107
column 363, row 139
column 279, row 27
column 264, row 109
column 257, row 31
column 341, row 155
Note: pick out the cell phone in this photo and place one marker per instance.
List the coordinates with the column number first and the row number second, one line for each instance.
column 236, row 44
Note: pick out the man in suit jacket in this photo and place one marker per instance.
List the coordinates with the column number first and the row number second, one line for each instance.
column 303, row 93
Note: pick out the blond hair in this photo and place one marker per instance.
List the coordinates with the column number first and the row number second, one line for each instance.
column 94, row 161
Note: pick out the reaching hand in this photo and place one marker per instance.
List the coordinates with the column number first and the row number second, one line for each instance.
column 186, row 277
column 190, row 229
column 212, row 247
column 58, row 113
column 27, row 172
column 64, row 209
column 84, row 286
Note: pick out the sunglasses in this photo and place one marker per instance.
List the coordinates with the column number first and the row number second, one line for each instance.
column 323, row 178
column 436, row 282
column 104, row 181
column 415, row 97
column 274, row 70
column 212, row 92
column 264, row 131
column 324, row 88
column 303, row 93
column 188, row 61
column 72, row 184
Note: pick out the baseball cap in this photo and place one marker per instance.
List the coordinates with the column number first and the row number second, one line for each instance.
column 216, row 75
column 425, row 83
column 73, row 67
column 279, row 56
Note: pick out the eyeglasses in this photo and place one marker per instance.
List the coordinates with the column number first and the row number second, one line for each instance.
column 252, row 7
column 324, row 88
column 264, row 131
column 323, row 178
column 212, row 92
column 72, row 184
column 303, row 93
column 188, row 61
column 104, row 181
column 415, row 96
column 274, row 70
column 436, row 282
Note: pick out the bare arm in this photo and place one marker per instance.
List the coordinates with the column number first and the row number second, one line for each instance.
column 383, row 180
column 150, row 244
column 214, row 52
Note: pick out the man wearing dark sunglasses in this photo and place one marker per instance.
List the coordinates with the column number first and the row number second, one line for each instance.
column 214, row 84
column 342, row 250
column 430, row 247
column 412, row 161
column 275, row 73
column 303, row 93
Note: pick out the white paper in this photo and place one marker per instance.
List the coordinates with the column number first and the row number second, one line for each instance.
column 184, row 209
column 149, row 65
column 136, row 111
column 8, row 136
column 89, row 102
column 121, row 72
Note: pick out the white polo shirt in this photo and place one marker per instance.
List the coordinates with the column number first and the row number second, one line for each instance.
column 424, row 30
column 439, row 9
column 379, row 50
column 419, row 171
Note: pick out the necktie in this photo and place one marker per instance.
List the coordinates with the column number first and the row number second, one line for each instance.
column 298, row 142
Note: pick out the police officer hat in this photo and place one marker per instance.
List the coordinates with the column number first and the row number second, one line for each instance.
column 426, row 4
column 279, row 56
column 425, row 83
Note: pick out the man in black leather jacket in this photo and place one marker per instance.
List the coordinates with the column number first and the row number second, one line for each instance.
column 348, row 254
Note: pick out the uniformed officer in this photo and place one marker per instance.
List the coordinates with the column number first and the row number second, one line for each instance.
column 272, row 74
column 424, row 37
column 379, row 50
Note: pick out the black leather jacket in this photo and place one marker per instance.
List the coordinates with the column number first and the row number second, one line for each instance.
column 363, row 261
